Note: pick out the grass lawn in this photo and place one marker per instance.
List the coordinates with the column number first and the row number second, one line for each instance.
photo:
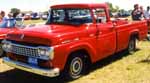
column 33, row 21
column 122, row 68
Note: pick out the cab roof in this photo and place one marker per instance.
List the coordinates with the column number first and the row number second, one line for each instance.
column 89, row 5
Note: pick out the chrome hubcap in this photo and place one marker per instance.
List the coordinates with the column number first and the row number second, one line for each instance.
column 76, row 67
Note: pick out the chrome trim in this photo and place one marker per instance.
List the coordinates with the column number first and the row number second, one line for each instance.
column 37, row 55
column 3, row 34
column 66, row 41
column 33, row 69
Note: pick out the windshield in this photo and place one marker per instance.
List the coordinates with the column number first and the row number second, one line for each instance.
column 69, row 16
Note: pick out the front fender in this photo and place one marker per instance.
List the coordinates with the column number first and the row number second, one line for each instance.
column 62, row 52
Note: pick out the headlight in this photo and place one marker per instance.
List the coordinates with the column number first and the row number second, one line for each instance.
column 46, row 52
column 7, row 46
column 41, row 51
column 4, row 46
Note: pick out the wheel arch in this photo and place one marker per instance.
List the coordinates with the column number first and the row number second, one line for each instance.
column 85, row 53
column 135, row 34
column 86, row 48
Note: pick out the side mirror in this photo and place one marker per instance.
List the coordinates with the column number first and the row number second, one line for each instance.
column 101, row 20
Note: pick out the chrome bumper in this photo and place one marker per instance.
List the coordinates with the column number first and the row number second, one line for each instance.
column 44, row 72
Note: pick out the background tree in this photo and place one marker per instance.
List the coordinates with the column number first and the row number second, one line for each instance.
column 112, row 8
column 15, row 11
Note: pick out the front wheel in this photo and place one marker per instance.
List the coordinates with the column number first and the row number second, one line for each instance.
column 75, row 67
column 132, row 45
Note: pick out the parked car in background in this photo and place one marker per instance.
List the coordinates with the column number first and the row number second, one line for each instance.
column 19, row 16
column 35, row 16
column 27, row 16
column 44, row 16
column 124, row 13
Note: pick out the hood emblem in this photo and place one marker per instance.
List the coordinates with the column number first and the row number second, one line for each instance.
column 22, row 36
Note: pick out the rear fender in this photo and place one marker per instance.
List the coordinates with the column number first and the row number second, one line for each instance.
column 135, row 33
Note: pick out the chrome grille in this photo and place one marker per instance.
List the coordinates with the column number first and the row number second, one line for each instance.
column 40, row 52
column 25, row 50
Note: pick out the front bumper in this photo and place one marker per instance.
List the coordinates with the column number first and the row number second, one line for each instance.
column 33, row 69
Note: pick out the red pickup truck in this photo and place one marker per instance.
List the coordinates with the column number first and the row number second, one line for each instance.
column 74, row 36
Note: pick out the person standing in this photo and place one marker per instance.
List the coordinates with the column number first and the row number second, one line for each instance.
column 3, row 18
column 147, row 13
column 0, row 18
column 136, row 13
column 142, row 12
column 147, row 17
column 11, row 20
column 8, row 22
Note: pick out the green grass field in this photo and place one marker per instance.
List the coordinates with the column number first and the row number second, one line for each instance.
column 122, row 68
column 33, row 21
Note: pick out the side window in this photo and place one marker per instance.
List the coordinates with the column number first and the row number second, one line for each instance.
column 100, row 15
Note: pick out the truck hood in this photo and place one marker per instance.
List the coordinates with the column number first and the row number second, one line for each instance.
column 4, row 31
column 45, row 34
column 50, row 28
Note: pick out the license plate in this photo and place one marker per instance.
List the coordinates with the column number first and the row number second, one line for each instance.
column 32, row 61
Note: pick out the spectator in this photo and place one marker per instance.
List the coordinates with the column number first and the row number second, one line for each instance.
column 147, row 17
column 11, row 20
column 3, row 18
column 142, row 12
column 8, row 22
column 136, row 13
column 147, row 13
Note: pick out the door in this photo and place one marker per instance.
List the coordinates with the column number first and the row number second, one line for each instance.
column 106, row 38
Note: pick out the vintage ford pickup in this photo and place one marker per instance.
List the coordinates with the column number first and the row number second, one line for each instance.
column 74, row 36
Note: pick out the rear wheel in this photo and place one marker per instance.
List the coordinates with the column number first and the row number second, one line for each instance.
column 132, row 45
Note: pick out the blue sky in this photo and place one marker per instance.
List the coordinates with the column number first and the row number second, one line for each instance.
column 42, row 5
